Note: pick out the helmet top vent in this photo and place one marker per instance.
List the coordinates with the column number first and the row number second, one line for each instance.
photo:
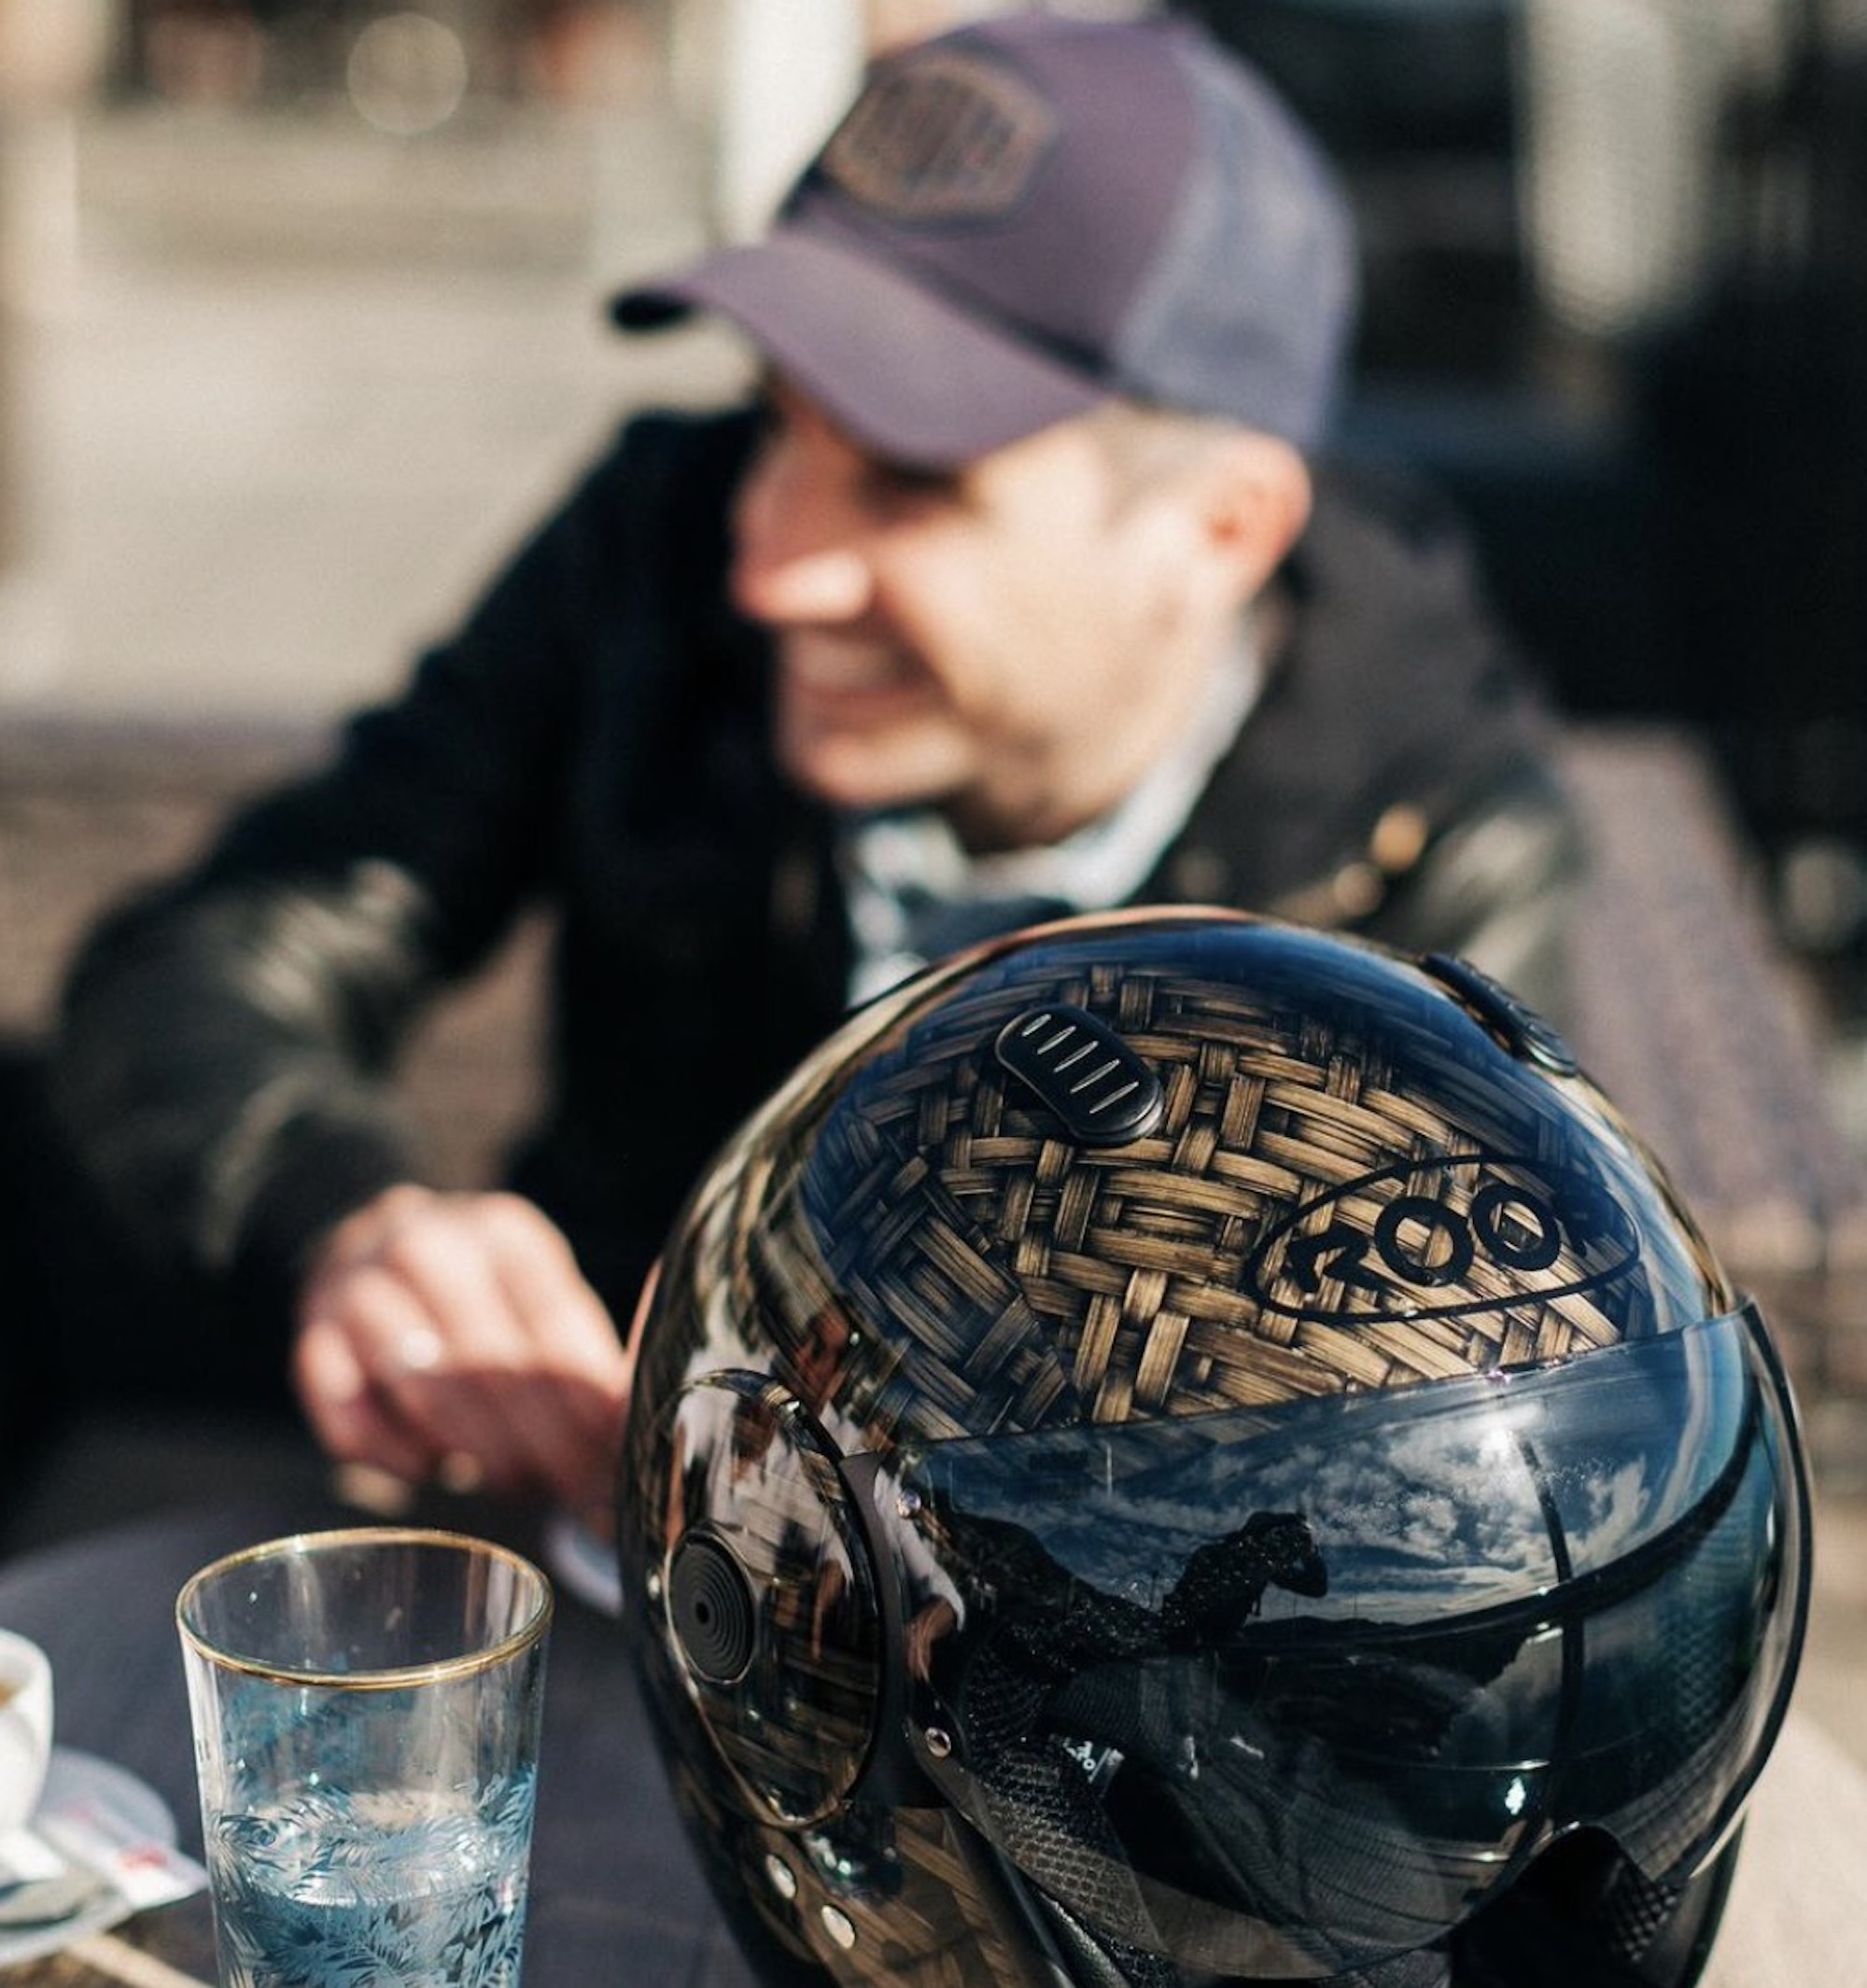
column 1084, row 1072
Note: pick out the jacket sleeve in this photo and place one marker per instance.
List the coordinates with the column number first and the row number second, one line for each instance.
column 223, row 1040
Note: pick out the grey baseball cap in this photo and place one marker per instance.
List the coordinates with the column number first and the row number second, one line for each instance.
column 1022, row 219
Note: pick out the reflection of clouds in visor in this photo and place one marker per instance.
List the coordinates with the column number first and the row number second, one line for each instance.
column 1445, row 1517
column 1424, row 1520
column 1440, row 1517
column 1617, row 1506
column 1418, row 1510
column 1679, row 1435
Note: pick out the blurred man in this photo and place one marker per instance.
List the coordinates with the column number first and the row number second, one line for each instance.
column 1017, row 594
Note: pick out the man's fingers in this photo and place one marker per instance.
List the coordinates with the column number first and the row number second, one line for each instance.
column 476, row 1335
column 541, row 1375
column 570, row 1331
column 420, row 1317
column 349, row 1417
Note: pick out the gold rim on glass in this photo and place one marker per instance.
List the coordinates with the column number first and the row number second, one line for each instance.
column 304, row 1544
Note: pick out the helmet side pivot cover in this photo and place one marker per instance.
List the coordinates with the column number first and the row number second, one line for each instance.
column 1176, row 1450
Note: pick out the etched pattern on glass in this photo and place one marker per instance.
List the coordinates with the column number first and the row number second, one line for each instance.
column 412, row 1888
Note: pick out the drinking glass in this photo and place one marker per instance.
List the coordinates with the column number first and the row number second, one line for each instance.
column 366, row 1710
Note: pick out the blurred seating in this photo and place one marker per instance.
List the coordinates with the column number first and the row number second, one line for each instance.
column 1709, row 1039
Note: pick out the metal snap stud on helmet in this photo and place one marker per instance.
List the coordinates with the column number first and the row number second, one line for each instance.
column 1175, row 1450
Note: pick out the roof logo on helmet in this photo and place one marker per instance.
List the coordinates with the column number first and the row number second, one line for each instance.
column 1443, row 1238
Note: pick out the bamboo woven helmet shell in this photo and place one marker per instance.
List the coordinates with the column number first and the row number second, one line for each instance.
column 1114, row 1302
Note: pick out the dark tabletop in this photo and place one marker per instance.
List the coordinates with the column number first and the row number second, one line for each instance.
column 615, row 1896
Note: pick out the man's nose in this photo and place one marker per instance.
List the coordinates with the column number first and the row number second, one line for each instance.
column 796, row 560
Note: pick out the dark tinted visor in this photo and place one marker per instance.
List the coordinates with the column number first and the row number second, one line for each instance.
column 1282, row 1693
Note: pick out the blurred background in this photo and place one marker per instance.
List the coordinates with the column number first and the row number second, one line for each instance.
column 301, row 326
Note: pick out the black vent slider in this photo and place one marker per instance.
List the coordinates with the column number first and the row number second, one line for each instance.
column 1104, row 1093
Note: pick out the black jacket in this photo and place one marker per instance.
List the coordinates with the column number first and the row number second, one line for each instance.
column 596, row 738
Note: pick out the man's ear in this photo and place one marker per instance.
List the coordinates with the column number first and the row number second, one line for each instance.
column 1255, row 494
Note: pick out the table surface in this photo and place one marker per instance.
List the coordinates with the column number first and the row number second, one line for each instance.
column 615, row 1894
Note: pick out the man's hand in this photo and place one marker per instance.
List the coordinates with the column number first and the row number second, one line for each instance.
column 456, row 1329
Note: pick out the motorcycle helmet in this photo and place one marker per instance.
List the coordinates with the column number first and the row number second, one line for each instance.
column 1177, row 1449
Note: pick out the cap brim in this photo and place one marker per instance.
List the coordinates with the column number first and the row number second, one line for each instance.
column 903, row 371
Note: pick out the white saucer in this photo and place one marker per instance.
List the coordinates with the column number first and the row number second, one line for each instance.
column 72, row 1776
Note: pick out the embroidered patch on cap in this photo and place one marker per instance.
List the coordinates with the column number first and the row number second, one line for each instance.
column 947, row 137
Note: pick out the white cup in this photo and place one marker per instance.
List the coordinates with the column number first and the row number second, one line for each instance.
column 25, row 1728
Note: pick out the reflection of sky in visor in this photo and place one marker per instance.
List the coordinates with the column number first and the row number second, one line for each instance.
column 1423, row 1501
column 1435, row 1513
